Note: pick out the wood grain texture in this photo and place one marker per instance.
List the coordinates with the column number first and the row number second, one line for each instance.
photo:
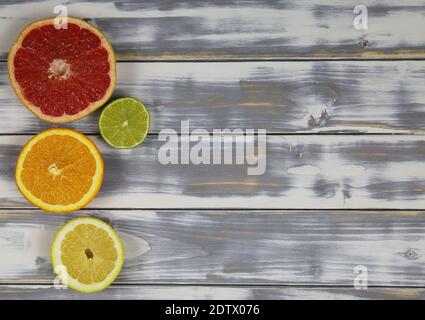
column 313, row 172
column 175, row 249
column 170, row 292
column 233, row 247
column 283, row 97
column 237, row 29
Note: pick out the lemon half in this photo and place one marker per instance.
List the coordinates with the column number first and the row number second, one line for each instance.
column 87, row 255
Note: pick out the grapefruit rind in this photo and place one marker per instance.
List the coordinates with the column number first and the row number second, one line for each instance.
column 55, row 256
column 92, row 106
column 97, row 178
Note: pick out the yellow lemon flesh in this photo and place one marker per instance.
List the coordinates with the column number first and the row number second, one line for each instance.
column 87, row 255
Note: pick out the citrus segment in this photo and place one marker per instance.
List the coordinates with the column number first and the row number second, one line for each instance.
column 124, row 123
column 59, row 170
column 87, row 254
column 62, row 75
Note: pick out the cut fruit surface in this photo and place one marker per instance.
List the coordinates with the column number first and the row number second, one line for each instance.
column 62, row 75
column 59, row 170
column 87, row 255
column 124, row 123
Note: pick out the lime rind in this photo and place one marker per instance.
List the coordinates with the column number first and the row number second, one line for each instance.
column 124, row 123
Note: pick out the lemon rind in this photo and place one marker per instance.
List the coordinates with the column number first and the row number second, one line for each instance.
column 66, row 279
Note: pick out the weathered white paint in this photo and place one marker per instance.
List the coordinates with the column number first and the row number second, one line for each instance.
column 276, row 29
column 170, row 292
column 305, row 97
column 16, row 245
column 304, row 170
column 247, row 247
column 26, row 250
column 234, row 247
column 356, row 172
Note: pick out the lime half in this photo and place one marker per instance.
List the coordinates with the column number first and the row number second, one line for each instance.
column 124, row 123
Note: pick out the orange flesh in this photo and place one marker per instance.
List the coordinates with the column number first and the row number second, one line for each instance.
column 59, row 170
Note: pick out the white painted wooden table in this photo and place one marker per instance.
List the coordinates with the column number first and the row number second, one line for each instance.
column 345, row 181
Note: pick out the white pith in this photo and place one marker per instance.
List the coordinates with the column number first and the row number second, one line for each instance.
column 59, row 69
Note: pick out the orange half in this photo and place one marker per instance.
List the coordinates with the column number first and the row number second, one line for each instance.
column 59, row 170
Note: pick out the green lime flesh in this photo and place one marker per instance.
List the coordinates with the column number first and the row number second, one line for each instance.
column 124, row 123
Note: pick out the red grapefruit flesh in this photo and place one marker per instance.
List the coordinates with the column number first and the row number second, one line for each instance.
column 62, row 75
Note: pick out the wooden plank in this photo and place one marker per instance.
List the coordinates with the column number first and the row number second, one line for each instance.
column 233, row 247
column 301, row 172
column 283, row 97
column 167, row 292
column 238, row 29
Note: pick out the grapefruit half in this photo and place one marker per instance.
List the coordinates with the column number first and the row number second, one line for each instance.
column 62, row 75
